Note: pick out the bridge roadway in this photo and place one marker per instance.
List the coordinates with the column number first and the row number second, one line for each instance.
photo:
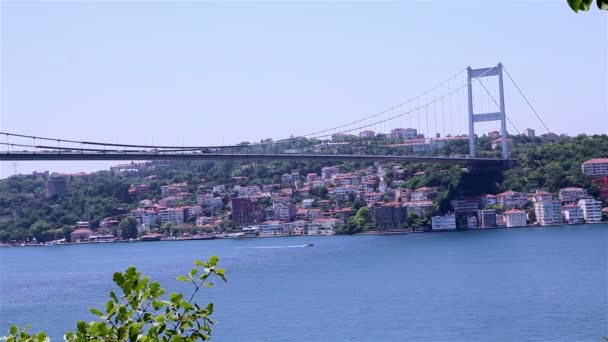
column 64, row 156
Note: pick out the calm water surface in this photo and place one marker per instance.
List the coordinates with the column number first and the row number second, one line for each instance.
column 541, row 284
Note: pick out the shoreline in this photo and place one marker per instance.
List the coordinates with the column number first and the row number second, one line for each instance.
column 369, row 232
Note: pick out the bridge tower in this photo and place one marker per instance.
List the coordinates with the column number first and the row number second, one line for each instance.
column 480, row 117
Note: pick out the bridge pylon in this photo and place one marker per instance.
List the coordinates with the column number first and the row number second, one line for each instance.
column 481, row 117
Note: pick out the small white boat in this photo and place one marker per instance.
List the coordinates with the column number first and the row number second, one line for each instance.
column 235, row 235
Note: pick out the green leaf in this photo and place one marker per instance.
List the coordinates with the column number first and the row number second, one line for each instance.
column 213, row 260
column 96, row 312
column 183, row 278
column 602, row 4
column 13, row 330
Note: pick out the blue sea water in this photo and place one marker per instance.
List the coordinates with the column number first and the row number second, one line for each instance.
column 529, row 284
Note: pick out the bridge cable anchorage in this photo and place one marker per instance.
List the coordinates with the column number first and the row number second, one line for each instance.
column 526, row 99
column 496, row 102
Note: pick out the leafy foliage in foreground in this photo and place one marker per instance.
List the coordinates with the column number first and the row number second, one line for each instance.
column 585, row 5
column 142, row 313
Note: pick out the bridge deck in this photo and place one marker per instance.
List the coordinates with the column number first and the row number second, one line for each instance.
column 58, row 156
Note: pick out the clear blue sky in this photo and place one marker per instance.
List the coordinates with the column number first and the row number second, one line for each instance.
column 212, row 73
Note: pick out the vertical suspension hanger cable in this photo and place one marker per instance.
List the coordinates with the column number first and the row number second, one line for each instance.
column 526, row 99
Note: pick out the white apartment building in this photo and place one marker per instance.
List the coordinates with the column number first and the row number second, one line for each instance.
column 515, row 218
column 595, row 167
column 548, row 212
column 322, row 226
column 592, row 209
column 272, row 228
column 146, row 218
column 445, row 222
column 573, row 214
column 171, row 215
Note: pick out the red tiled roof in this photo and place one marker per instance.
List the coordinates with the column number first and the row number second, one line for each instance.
column 597, row 161
column 514, row 211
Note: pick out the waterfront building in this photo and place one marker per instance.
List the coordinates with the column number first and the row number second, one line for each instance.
column 297, row 227
column 511, row 199
column 548, row 212
column 572, row 194
column 391, row 214
column 487, row 218
column 272, row 228
column 145, row 217
column 573, row 214
column 171, row 215
column 322, row 226
column 311, row 177
column 445, row 222
column 251, row 231
column 596, row 167
column 471, row 222
column 592, row 209
column 515, row 218
column 81, row 234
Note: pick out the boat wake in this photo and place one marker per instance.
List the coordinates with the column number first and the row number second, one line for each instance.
column 273, row 247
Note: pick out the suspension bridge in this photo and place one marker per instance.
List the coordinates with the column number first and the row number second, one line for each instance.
column 449, row 113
